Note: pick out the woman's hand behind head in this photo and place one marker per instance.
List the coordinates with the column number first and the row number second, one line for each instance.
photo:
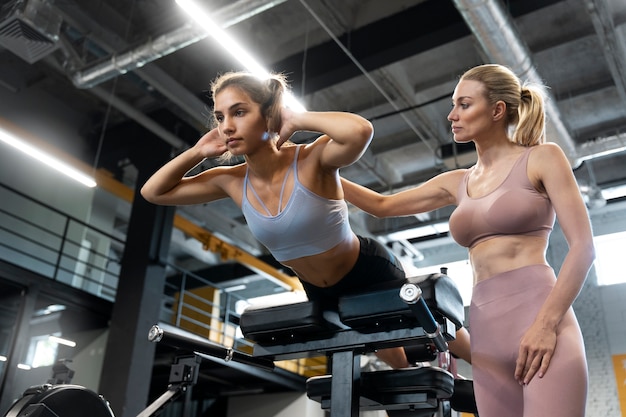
column 212, row 144
column 287, row 126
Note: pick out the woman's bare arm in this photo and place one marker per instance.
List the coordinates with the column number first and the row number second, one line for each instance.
column 170, row 186
column 435, row 193
column 346, row 135
column 551, row 168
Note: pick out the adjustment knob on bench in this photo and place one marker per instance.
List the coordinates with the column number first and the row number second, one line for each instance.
column 410, row 293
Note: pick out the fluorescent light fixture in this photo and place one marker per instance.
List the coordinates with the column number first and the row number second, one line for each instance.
column 49, row 160
column 421, row 231
column 277, row 299
column 24, row 366
column 52, row 308
column 62, row 341
column 235, row 288
column 614, row 192
column 202, row 18
column 3, row 358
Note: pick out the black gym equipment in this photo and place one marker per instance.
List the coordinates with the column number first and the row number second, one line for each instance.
column 420, row 313
column 58, row 397
column 62, row 399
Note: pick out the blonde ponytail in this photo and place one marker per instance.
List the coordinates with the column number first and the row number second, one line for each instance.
column 530, row 129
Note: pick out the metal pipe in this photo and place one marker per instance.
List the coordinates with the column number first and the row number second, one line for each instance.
column 495, row 31
column 140, row 118
column 177, row 338
column 167, row 44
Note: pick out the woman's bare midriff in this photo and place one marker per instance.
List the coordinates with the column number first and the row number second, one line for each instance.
column 506, row 253
column 327, row 268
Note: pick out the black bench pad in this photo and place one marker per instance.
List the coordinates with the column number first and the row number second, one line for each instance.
column 285, row 323
column 391, row 389
column 381, row 308
column 463, row 399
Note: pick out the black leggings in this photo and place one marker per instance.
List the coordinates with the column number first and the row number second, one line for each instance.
column 375, row 264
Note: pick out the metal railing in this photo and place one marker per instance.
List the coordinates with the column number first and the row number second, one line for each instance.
column 200, row 306
column 42, row 239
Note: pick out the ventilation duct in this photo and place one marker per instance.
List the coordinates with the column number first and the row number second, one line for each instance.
column 29, row 29
column 168, row 43
column 495, row 31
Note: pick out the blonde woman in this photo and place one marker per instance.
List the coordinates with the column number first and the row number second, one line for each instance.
column 527, row 351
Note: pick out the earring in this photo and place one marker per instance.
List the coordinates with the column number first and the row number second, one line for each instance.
column 265, row 136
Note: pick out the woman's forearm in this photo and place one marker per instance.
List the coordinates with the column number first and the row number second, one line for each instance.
column 342, row 127
column 571, row 278
column 367, row 200
column 169, row 175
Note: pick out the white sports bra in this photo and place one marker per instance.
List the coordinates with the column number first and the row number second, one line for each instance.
column 308, row 225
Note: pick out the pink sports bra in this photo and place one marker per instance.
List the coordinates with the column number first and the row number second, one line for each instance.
column 513, row 208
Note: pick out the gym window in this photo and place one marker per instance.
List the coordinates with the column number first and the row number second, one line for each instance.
column 609, row 258
column 42, row 351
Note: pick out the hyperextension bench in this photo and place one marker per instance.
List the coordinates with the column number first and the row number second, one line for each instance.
column 420, row 313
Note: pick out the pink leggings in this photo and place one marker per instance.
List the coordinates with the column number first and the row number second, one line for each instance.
column 502, row 308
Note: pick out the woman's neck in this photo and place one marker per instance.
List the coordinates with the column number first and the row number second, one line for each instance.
column 267, row 163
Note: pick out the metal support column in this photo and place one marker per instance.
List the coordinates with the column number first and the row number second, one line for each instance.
column 128, row 361
column 346, row 373
column 19, row 344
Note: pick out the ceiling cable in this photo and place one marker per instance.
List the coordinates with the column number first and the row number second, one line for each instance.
column 109, row 101
column 366, row 74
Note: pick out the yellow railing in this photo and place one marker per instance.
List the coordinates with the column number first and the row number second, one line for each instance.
column 200, row 311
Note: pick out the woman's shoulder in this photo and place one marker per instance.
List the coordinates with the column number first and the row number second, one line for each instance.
column 547, row 150
column 233, row 169
column 224, row 174
column 229, row 178
column 547, row 159
column 318, row 143
column 449, row 181
column 455, row 174
column 312, row 149
column 547, row 156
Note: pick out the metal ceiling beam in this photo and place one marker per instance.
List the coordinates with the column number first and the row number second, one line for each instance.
column 167, row 43
column 191, row 106
column 495, row 31
column 139, row 117
column 423, row 136
column 417, row 29
column 613, row 45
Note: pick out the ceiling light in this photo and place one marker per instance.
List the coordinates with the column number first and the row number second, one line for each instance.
column 235, row 288
column 57, row 164
column 277, row 299
column 62, row 341
column 421, row 231
column 611, row 193
column 52, row 308
column 202, row 18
